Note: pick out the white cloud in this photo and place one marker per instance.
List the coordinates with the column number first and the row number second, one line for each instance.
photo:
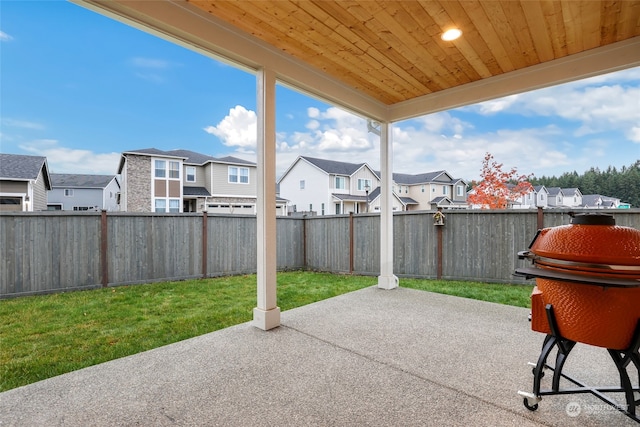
column 497, row 105
column 24, row 124
column 148, row 68
column 600, row 104
column 237, row 129
column 68, row 160
column 313, row 112
column 634, row 134
column 140, row 62
column 4, row 37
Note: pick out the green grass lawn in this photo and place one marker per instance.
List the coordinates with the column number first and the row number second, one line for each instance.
column 45, row 336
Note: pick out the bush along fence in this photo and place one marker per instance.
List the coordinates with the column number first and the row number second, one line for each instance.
column 54, row 252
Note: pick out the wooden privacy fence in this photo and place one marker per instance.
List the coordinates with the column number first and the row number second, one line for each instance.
column 52, row 251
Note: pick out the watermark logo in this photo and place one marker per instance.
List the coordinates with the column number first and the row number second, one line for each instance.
column 573, row 409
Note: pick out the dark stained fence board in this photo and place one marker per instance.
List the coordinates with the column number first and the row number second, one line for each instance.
column 53, row 251
column 290, row 243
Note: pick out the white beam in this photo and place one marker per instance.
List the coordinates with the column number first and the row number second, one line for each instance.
column 386, row 280
column 603, row 60
column 267, row 314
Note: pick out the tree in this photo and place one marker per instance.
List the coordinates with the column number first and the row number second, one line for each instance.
column 497, row 187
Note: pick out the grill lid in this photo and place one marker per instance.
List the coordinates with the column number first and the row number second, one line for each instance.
column 592, row 244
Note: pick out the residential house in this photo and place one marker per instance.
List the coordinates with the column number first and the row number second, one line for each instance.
column 538, row 197
column 556, row 197
column 24, row 182
column 78, row 192
column 329, row 187
column 597, row 201
column 431, row 190
column 572, row 197
column 185, row 181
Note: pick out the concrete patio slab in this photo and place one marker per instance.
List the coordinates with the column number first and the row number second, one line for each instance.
column 370, row 357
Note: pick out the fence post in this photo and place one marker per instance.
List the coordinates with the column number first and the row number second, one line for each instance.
column 304, row 242
column 204, row 244
column 540, row 218
column 103, row 248
column 350, row 242
column 439, row 251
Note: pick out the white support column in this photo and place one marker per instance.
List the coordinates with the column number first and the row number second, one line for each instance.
column 267, row 314
column 386, row 280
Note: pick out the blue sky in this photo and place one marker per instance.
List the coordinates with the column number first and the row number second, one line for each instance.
column 81, row 88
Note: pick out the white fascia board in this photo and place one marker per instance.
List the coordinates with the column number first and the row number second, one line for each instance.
column 181, row 23
column 606, row 59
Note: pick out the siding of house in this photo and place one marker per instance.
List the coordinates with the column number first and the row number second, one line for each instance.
column 40, row 193
column 201, row 177
column 82, row 197
column 363, row 173
column 110, row 197
column 222, row 186
column 318, row 188
column 14, row 187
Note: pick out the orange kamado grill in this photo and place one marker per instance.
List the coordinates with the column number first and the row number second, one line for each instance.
column 587, row 291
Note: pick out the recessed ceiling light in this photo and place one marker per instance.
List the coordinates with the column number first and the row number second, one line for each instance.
column 451, row 34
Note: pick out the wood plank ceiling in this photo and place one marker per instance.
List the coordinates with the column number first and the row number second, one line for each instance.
column 392, row 50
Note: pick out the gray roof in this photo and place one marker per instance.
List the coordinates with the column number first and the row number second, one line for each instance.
column 408, row 179
column 553, row 191
column 334, row 167
column 408, row 201
column 591, row 200
column 20, row 167
column 190, row 157
column 80, row 181
column 151, row 152
column 196, row 191
column 231, row 159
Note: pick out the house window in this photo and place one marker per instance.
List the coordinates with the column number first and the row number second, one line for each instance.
column 174, row 170
column 302, row 184
column 161, row 169
column 423, row 188
column 174, row 205
column 362, row 183
column 68, row 192
column 340, row 182
column 322, row 208
column 337, row 208
column 191, row 174
column 238, row 175
column 310, row 207
column 161, row 205
column 459, row 190
column 445, row 190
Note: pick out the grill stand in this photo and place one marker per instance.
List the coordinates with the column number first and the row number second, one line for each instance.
column 621, row 358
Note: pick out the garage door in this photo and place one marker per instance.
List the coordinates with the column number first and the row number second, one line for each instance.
column 10, row 204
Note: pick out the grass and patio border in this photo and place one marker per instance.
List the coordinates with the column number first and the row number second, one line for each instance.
column 47, row 335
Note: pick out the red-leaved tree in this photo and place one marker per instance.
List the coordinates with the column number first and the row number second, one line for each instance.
column 497, row 187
